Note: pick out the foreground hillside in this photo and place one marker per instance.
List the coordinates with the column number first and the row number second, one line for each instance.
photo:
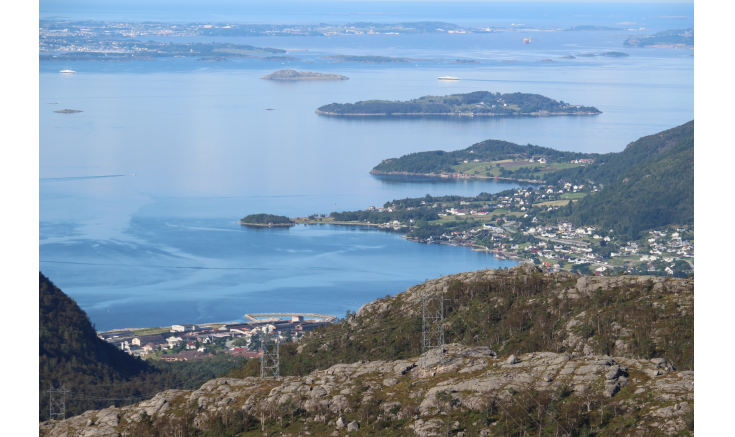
column 473, row 392
column 96, row 373
column 532, row 353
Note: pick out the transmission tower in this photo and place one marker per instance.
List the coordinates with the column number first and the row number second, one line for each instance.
column 269, row 358
column 57, row 402
column 432, row 328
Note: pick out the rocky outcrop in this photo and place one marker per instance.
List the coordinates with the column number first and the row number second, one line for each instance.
column 467, row 378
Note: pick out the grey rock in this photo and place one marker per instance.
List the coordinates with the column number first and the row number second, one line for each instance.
column 390, row 382
column 614, row 373
column 611, row 390
column 512, row 360
column 353, row 426
column 341, row 423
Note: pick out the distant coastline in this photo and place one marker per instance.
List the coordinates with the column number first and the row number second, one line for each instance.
column 449, row 176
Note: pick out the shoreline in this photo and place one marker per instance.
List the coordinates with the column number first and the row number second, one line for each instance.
column 465, row 114
column 446, row 176
column 266, row 225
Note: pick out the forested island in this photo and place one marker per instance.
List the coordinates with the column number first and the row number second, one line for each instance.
column 302, row 75
column 673, row 38
column 67, row 111
column 266, row 220
column 475, row 103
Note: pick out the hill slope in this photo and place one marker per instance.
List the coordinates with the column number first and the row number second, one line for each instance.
column 489, row 150
column 575, row 354
column 650, row 184
column 96, row 372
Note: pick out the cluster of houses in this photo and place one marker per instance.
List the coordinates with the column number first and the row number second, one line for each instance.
column 192, row 340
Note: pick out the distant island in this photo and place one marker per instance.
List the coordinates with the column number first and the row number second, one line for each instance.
column 375, row 59
column 606, row 54
column 213, row 59
column 475, row 103
column 667, row 39
column 615, row 54
column 280, row 58
column 588, row 28
column 67, row 111
column 266, row 220
column 302, row 75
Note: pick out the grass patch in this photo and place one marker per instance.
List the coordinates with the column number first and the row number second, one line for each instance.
column 573, row 195
column 553, row 203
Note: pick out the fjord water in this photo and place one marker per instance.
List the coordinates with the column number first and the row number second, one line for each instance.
column 163, row 246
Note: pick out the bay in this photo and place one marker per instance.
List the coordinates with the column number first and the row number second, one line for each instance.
column 163, row 246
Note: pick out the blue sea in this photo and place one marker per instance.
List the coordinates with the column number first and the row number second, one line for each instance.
column 141, row 192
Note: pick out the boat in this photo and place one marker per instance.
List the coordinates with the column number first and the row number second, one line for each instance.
column 448, row 78
column 67, row 71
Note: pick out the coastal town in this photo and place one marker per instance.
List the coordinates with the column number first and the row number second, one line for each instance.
column 186, row 342
column 520, row 225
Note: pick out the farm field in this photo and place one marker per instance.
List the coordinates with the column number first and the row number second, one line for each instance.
column 482, row 168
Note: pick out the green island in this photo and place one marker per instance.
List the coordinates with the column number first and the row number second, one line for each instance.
column 475, row 103
column 487, row 159
column 302, row 75
column 269, row 220
column 667, row 39
column 67, row 111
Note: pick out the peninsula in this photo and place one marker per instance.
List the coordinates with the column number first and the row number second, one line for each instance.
column 475, row 103
column 302, row 75
column 487, row 159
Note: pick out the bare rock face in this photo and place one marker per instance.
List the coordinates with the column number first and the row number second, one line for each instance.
column 341, row 423
column 457, row 379
column 478, row 377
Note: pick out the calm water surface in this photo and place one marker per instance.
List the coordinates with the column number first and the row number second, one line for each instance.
column 163, row 246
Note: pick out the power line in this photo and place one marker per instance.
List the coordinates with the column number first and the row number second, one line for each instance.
column 432, row 326
column 57, row 402
column 269, row 357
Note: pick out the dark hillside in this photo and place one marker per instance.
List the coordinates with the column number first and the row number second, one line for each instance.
column 610, row 167
column 648, row 185
column 96, row 372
